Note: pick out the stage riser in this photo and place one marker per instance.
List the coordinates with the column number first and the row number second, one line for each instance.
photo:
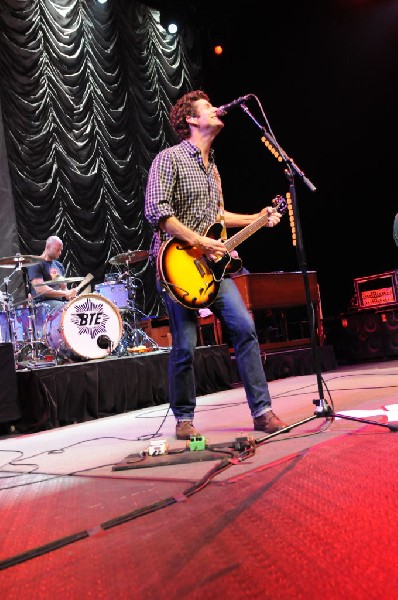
column 66, row 394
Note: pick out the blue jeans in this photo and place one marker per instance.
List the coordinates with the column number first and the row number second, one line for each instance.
column 230, row 309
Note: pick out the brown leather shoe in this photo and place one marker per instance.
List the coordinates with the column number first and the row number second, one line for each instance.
column 184, row 430
column 268, row 422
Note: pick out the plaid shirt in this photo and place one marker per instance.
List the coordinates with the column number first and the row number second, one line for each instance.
column 179, row 185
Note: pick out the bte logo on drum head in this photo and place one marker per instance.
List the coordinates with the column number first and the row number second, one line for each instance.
column 88, row 326
column 90, row 318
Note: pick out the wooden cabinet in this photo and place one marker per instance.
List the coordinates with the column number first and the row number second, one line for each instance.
column 281, row 298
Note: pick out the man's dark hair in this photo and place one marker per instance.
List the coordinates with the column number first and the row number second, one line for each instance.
column 183, row 108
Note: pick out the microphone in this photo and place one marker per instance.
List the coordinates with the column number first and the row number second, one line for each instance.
column 104, row 342
column 222, row 110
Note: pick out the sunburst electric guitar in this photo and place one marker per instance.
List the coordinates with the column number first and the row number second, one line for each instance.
column 190, row 277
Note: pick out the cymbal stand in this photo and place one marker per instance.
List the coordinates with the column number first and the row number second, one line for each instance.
column 137, row 336
column 21, row 347
column 10, row 323
column 8, row 305
column 32, row 343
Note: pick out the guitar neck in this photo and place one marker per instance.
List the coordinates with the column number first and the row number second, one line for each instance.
column 246, row 232
column 279, row 204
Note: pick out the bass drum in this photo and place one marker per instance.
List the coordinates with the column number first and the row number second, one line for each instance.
column 89, row 326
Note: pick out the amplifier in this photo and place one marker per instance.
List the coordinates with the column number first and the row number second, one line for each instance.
column 377, row 290
column 157, row 329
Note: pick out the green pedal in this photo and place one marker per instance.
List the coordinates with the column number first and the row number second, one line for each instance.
column 197, row 442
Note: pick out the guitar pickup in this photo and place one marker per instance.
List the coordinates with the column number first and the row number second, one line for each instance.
column 198, row 265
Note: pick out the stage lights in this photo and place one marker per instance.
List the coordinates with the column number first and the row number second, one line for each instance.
column 291, row 218
column 171, row 20
column 175, row 16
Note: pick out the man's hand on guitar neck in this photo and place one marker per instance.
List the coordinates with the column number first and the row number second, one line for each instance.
column 214, row 248
column 273, row 216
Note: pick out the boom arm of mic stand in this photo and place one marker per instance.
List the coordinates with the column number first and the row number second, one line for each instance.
column 274, row 144
column 289, row 161
column 289, row 171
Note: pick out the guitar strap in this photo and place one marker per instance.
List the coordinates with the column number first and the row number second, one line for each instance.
column 220, row 216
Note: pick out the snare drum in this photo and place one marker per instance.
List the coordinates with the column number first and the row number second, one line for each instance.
column 115, row 292
column 89, row 326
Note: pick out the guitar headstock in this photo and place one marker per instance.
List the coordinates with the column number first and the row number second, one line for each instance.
column 279, row 202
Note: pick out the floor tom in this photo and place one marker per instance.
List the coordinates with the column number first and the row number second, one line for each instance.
column 29, row 322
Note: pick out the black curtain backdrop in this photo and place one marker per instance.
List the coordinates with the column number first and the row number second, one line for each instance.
column 85, row 93
column 85, row 90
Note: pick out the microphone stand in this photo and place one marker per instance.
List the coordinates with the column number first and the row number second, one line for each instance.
column 291, row 170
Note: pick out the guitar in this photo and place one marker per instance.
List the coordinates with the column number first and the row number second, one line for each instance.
column 190, row 277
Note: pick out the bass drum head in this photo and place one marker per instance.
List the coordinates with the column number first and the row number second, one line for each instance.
column 89, row 326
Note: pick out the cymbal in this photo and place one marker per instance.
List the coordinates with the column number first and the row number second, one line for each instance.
column 23, row 260
column 59, row 280
column 131, row 256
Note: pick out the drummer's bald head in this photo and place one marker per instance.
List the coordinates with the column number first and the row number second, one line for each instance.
column 53, row 239
column 53, row 249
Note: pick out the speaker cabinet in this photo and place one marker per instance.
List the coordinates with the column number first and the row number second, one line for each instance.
column 9, row 401
column 377, row 290
column 336, row 336
column 364, row 336
column 389, row 327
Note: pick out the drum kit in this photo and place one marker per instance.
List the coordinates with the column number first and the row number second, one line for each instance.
column 120, row 288
column 90, row 326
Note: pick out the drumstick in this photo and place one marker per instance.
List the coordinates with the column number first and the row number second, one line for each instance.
column 84, row 283
column 86, row 290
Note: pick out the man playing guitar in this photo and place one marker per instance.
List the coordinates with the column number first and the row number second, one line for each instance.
column 184, row 204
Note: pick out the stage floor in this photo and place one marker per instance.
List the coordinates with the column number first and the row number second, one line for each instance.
column 256, row 523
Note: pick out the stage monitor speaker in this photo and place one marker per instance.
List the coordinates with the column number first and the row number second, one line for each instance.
column 9, row 402
column 364, row 336
column 389, row 328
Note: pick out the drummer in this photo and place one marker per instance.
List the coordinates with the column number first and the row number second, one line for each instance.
column 49, row 268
